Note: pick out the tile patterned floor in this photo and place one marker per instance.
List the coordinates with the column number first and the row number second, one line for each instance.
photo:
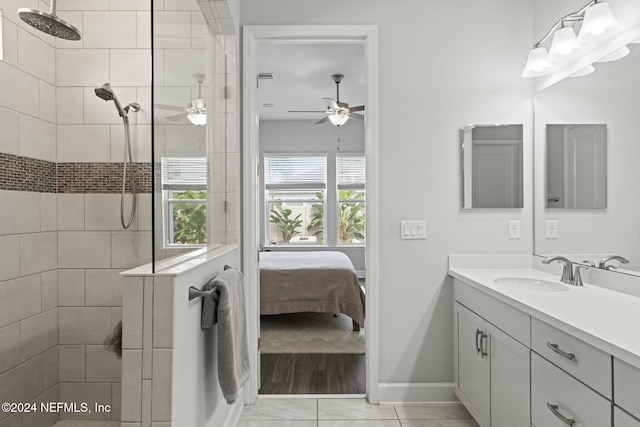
column 309, row 412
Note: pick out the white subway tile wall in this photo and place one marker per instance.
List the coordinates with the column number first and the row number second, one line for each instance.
column 61, row 254
column 29, row 359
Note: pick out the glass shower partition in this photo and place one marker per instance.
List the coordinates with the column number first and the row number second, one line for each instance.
column 194, row 129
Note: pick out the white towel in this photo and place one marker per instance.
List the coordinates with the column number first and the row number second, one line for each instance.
column 227, row 307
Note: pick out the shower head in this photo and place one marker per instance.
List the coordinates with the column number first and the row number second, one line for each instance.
column 49, row 22
column 106, row 92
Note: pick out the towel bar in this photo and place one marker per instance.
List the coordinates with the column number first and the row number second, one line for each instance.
column 197, row 293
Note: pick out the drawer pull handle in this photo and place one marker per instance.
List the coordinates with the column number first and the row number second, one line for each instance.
column 478, row 334
column 564, row 354
column 483, row 350
column 554, row 409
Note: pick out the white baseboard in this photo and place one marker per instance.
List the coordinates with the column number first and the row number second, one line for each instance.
column 233, row 416
column 360, row 274
column 416, row 392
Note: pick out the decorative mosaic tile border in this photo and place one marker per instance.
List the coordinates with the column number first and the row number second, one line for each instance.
column 26, row 174
column 19, row 173
column 94, row 178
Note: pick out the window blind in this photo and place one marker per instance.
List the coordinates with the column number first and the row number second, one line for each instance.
column 295, row 171
column 184, row 173
column 350, row 172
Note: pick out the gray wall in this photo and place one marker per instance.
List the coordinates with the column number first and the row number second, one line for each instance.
column 441, row 65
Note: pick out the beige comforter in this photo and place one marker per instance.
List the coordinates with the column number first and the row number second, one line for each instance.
column 321, row 281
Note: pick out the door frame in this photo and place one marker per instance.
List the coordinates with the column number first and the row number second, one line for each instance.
column 252, row 35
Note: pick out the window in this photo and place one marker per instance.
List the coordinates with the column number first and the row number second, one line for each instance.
column 184, row 193
column 294, row 198
column 350, row 180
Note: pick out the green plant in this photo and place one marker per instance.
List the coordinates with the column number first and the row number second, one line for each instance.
column 281, row 217
column 190, row 219
column 351, row 215
column 316, row 225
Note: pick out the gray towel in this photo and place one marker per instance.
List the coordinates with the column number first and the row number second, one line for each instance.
column 227, row 308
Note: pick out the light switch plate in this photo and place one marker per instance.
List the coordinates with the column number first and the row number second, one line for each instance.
column 552, row 229
column 413, row 230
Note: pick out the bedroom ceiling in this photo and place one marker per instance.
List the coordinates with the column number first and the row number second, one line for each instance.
column 303, row 77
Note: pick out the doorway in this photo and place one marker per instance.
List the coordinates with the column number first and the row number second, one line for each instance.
column 255, row 206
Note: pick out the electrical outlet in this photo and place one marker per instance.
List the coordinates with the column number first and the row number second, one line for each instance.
column 514, row 229
column 552, row 229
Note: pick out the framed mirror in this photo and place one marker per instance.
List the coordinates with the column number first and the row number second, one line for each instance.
column 608, row 96
column 492, row 166
column 576, row 166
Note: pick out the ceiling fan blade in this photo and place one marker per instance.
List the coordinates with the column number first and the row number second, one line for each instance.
column 321, row 121
column 356, row 116
column 168, row 107
column 305, row 111
column 332, row 103
column 177, row 117
column 358, row 108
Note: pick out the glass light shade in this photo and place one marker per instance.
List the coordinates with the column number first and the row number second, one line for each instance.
column 584, row 72
column 338, row 119
column 538, row 63
column 198, row 119
column 565, row 45
column 615, row 55
column 598, row 23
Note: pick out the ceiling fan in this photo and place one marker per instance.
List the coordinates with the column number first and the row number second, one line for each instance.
column 196, row 110
column 337, row 112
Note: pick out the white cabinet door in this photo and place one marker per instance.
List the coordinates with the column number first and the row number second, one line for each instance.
column 472, row 380
column 625, row 381
column 510, row 381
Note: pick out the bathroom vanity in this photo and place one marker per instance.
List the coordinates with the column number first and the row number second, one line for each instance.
column 532, row 351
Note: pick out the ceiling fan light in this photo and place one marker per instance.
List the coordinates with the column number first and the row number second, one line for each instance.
column 615, row 55
column 538, row 63
column 565, row 45
column 338, row 119
column 197, row 118
column 599, row 23
column 584, row 72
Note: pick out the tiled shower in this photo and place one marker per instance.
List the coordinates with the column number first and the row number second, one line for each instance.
column 62, row 247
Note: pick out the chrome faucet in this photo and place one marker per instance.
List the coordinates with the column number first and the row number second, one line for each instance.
column 577, row 278
column 567, row 268
column 603, row 263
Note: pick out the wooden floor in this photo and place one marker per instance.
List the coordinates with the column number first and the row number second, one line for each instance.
column 312, row 373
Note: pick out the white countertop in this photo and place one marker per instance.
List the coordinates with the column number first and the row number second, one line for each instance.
column 606, row 319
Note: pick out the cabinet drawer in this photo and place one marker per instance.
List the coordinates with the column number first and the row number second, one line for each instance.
column 622, row 419
column 550, row 386
column 503, row 316
column 626, row 380
column 583, row 361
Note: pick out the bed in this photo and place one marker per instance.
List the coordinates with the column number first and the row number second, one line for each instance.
column 310, row 281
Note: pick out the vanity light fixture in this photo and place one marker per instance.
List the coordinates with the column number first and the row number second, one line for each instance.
column 538, row 63
column 597, row 23
column 615, row 55
column 584, row 72
column 565, row 45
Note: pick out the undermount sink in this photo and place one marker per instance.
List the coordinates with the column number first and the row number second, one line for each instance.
column 529, row 284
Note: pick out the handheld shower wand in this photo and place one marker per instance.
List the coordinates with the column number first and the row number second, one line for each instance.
column 107, row 93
